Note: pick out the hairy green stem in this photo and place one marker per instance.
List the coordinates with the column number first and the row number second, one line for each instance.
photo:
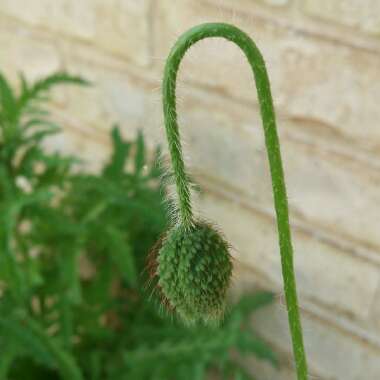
column 257, row 64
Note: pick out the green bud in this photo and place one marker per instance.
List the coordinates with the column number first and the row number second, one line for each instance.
column 194, row 271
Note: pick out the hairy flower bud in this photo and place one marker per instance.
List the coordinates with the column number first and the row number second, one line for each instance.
column 194, row 271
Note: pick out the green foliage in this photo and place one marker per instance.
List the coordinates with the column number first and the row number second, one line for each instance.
column 74, row 303
column 194, row 271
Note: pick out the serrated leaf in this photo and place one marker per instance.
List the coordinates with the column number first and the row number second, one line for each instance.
column 120, row 155
column 16, row 332
column 62, row 359
column 45, row 84
column 69, row 269
column 36, row 343
column 140, row 153
column 7, row 101
column 122, row 255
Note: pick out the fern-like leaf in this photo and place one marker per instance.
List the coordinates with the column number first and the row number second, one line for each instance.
column 31, row 93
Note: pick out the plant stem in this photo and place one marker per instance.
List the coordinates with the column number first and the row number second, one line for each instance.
column 257, row 64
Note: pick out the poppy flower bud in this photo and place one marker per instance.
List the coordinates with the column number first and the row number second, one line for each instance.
column 194, row 271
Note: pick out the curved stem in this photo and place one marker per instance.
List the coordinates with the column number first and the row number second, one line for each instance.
column 257, row 64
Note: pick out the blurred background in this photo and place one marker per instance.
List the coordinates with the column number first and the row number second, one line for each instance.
column 323, row 59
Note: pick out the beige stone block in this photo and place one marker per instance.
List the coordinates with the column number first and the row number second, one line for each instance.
column 21, row 52
column 120, row 27
column 312, row 78
column 327, row 275
column 116, row 96
column 374, row 321
column 224, row 142
column 358, row 14
column 123, row 28
column 76, row 18
column 277, row 2
column 264, row 371
column 244, row 5
column 332, row 354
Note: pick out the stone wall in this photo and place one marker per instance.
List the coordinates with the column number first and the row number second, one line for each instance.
column 323, row 59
